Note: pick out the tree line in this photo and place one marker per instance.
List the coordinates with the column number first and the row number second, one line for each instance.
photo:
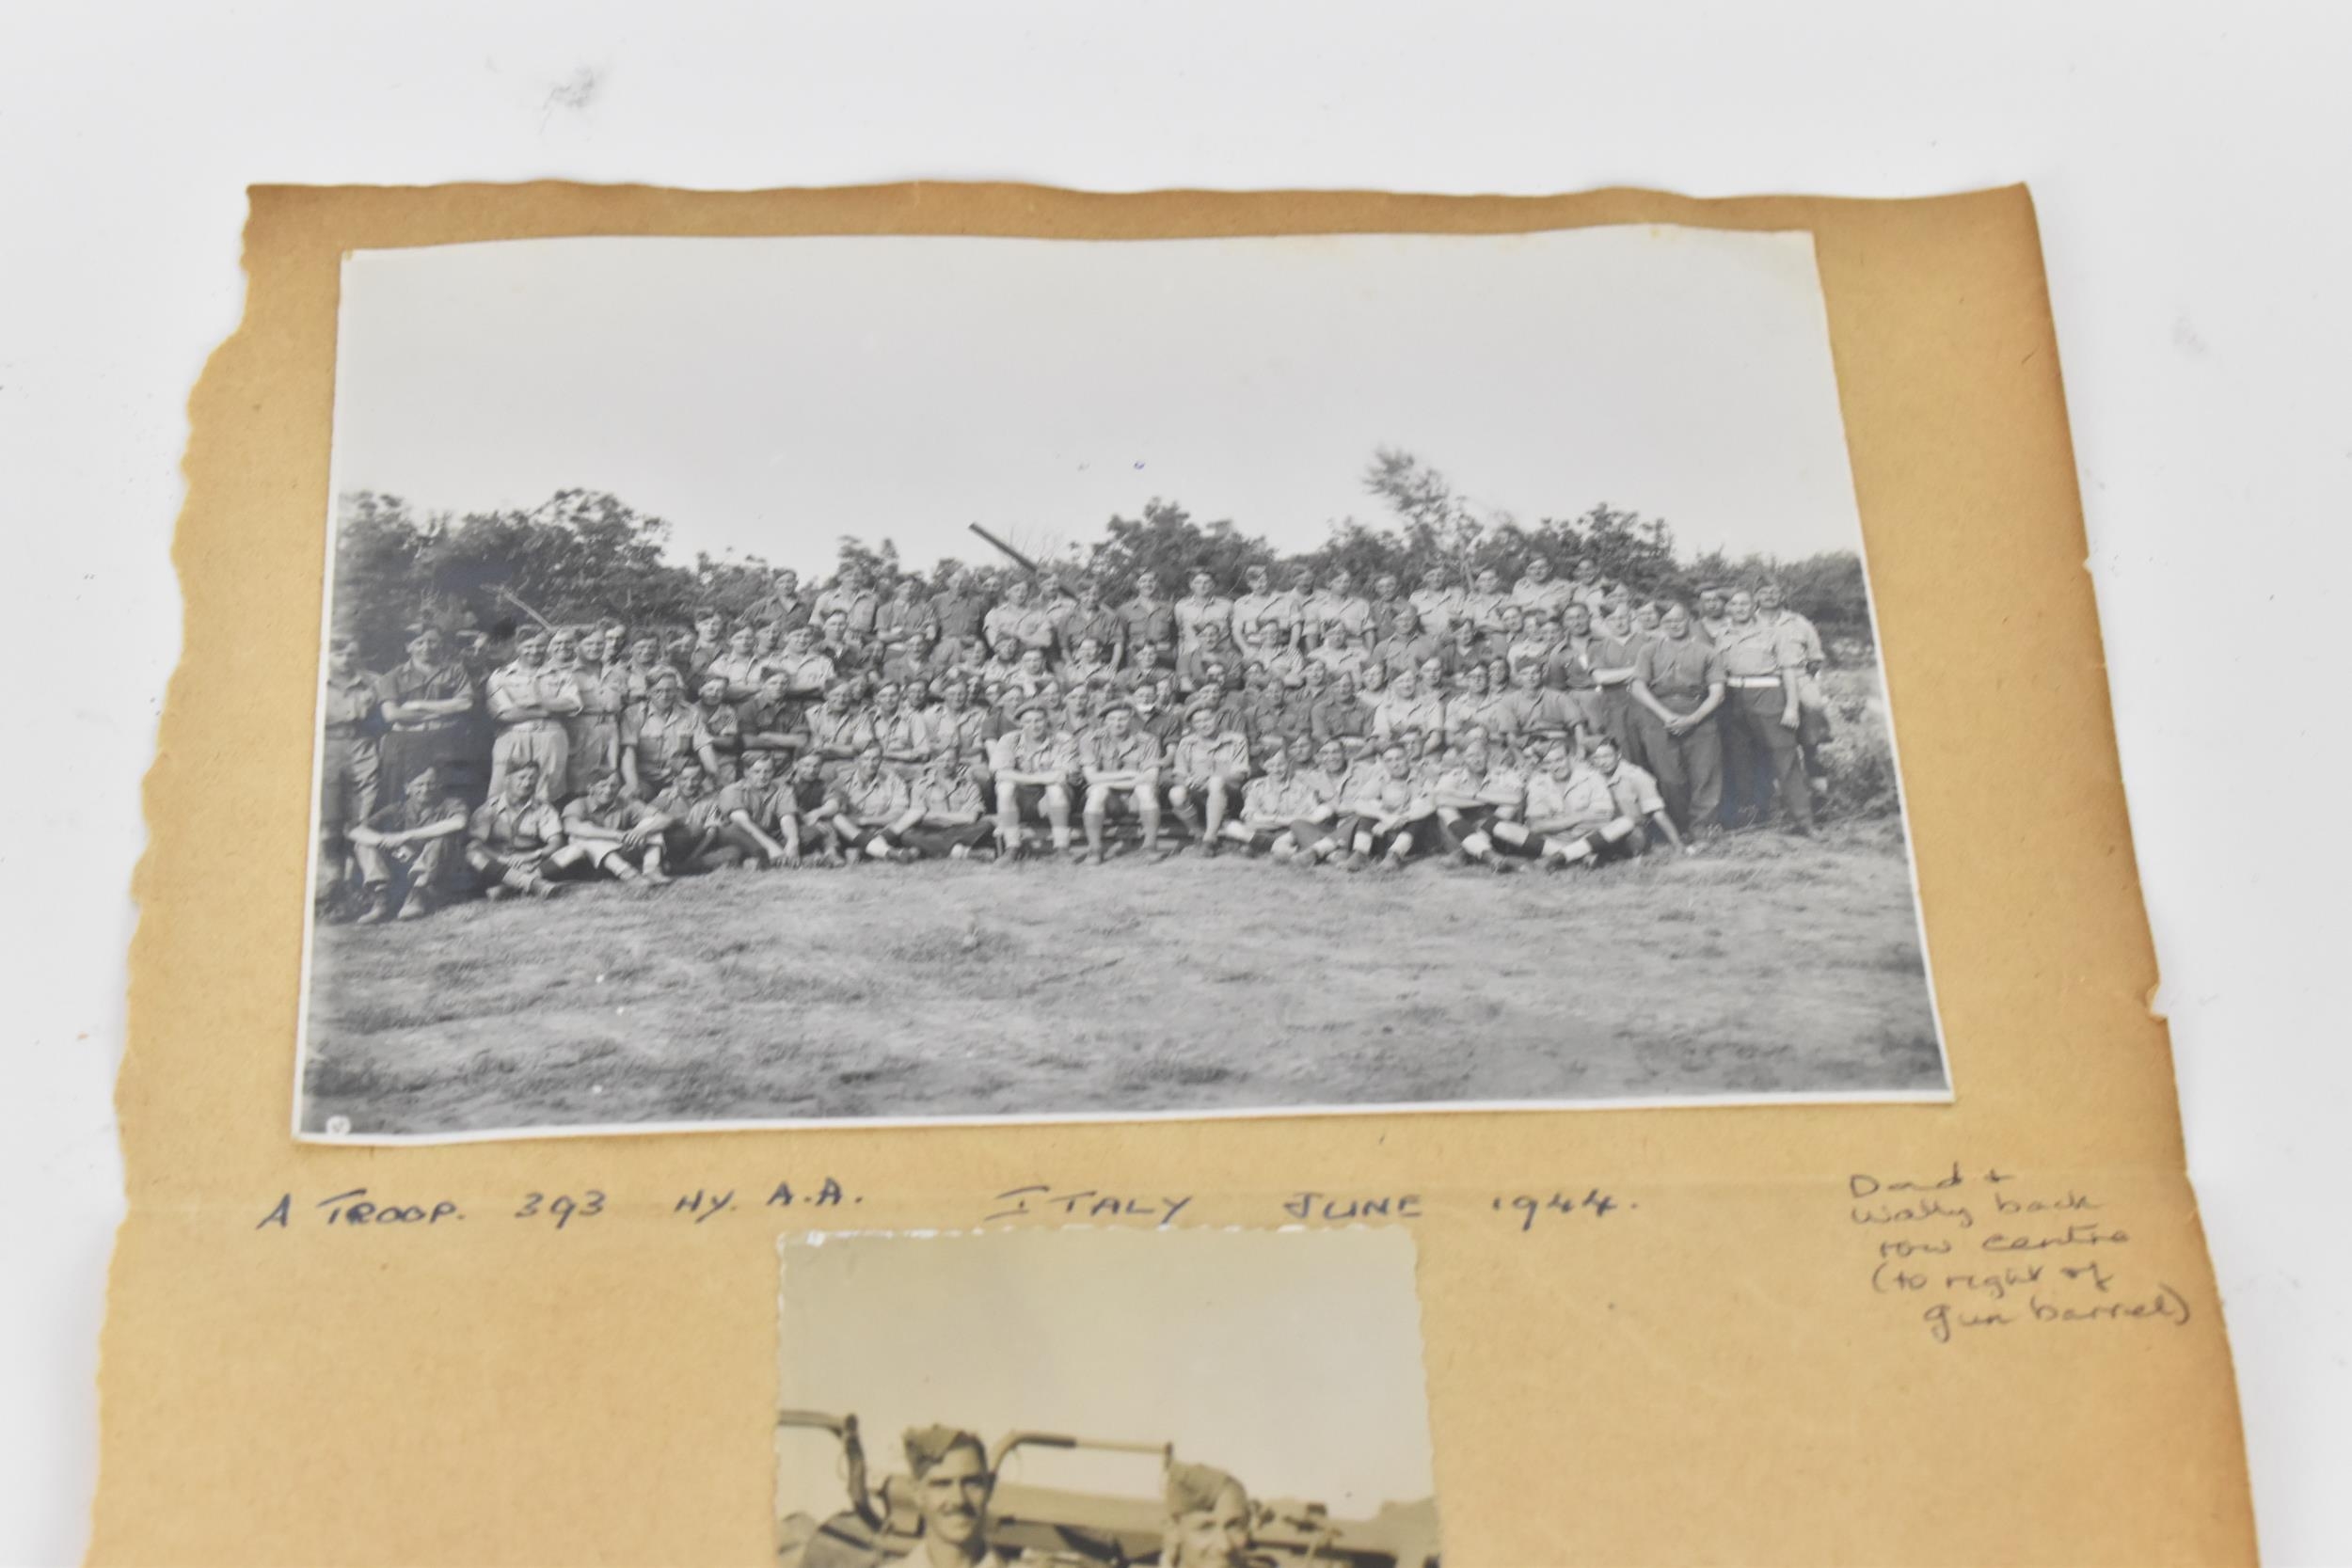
column 584, row 554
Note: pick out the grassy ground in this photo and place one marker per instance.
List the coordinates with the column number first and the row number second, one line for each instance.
column 1766, row 966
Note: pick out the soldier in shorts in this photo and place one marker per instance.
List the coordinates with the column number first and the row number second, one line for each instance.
column 955, row 822
column 409, row 850
column 1033, row 767
column 746, row 824
column 806, row 807
column 1271, row 805
column 1571, row 818
column 611, row 827
column 1209, row 762
column 1474, row 797
column 516, row 839
column 875, row 808
column 1389, row 803
column 1122, row 766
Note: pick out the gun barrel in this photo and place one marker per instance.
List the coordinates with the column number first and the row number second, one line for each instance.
column 1025, row 563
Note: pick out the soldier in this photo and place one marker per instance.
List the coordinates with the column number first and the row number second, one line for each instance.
column 515, row 838
column 349, row 761
column 666, row 732
column 1711, row 620
column 957, row 732
column 1762, row 665
column 1813, row 726
column 596, row 732
column 1388, row 604
column 875, row 808
column 1537, row 591
column 1678, row 685
column 609, row 827
column 531, row 702
column 690, row 802
column 710, row 642
column 1339, row 651
column 1272, row 805
column 952, row 1485
column 738, row 666
column 428, row 705
column 1586, row 587
column 1338, row 607
column 793, row 609
column 1635, row 791
column 721, row 724
column 1388, row 803
column 1482, row 606
column 1342, row 715
column 1260, row 607
column 1150, row 621
column 902, row 733
column 409, row 850
column 806, row 671
column 954, row 806
column 847, row 651
column 806, row 807
column 853, row 599
column 1033, row 767
column 1472, row 706
column 839, row 730
column 1121, row 764
column 767, row 725
column 1612, row 652
column 960, row 610
column 1405, row 707
column 1085, row 665
column 1089, row 617
column 746, row 823
column 1201, row 606
column 1571, row 817
column 1533, row 713
column 1156, row 714
column 1408, row 645
column 1211, row 761
column 1438, row 603
column 1474, row 797
column 904, row 621
column 1017, row 624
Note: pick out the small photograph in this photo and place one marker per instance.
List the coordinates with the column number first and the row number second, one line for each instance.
column 1103, row 1399
column 785, row 682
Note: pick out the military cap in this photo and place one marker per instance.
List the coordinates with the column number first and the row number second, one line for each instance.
column 927, row 1446
column 1194, row 1488
column 1030, row 705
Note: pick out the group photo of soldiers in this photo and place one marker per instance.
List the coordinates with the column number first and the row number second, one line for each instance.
column 1529, row 714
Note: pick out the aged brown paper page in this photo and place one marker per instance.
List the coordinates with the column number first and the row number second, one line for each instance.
column 1953, row 1307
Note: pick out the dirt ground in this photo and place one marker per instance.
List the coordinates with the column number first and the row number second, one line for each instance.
column 1767, row 966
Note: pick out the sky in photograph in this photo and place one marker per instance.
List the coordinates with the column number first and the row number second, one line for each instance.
column 1290, row 1358
column 768, row 395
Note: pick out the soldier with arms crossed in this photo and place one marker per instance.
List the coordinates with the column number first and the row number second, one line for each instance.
column 409, row 850
column 609, row 826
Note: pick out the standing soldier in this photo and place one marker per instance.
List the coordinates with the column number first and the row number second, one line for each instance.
column 515, row 838
column 1537, row 591
column 1211, row 761
column 1201, row 606
column 595, row 731
column 1033, row 767
column 853, row 598
column 609, row 827
column 1813, row 727
column 960, row 609
column 1017, row 625
column 793, row 609
column 806, row 672
column 1762, row 666
column 1387, row 603
column 1482, row 605
column 530, row 704
column 349, row 761
column 1570, row 666
column 1712, row 621
column 1150, row 620
column 1439, row 601
column 428, row 705
column 1678, row 683
column 411, row 849
column 721, row 722
column 665, row 734
column 954, row 803
column 1120, row 763
column 1615, row 647
column 1259, row 608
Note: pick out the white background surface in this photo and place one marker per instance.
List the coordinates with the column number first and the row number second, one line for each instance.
column 2192, row 164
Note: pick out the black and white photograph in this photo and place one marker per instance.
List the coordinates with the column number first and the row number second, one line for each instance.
column 1084, row 1398
column 891, row 679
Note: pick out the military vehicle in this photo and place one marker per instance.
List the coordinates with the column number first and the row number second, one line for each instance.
column 1043, row 1527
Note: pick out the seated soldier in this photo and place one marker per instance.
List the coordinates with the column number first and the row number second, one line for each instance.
column 874, row 809
column 839, row 730
column 955, row 823
column 956, row 730
column 1472, row 705
column 409, row 850
column 1406, row 706
column 1212, row 760
column 1635, row 790
column 1209, row 1517
column 1474, row 797
column 1122, row 766
column 691, row 803
column 516, row 838
column 902, row 732
column 1033, row 767
column 1533, row 714
column 1155, row 714
column 746, row 824
column 1571, row 818
column 768, row 720
column 806, row 807
column 1343, row 716
column 662, row 738
column 1391, row 803
column 609, row 826
column 1324, row 831
column 1088, row 666
column 1279, row 811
